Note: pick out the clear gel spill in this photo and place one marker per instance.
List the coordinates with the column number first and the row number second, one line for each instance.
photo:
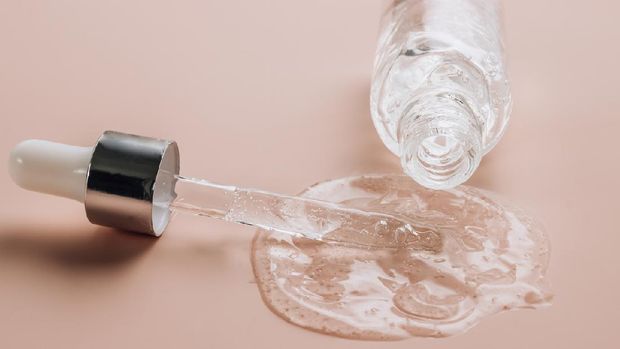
column 486, row 258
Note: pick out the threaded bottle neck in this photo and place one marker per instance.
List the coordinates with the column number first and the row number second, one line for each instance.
column 440, row 140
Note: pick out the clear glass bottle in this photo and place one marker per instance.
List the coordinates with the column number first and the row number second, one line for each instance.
column 440, row 98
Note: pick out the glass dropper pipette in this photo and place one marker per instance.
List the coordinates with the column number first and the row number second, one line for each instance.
column 133, row 183
column 298, row 216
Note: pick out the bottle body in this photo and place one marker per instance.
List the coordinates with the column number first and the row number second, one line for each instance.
column 440, row 98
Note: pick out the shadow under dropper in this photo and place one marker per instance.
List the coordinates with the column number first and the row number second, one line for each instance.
column 79, row 250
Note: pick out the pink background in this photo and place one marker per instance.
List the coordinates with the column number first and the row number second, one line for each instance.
column 274, row 94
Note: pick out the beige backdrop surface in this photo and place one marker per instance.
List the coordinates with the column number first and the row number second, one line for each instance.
column 274, row 94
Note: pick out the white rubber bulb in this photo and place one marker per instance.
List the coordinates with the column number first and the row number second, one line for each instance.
column 51, row 168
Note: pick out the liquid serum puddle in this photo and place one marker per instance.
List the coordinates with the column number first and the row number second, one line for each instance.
column 484, row 257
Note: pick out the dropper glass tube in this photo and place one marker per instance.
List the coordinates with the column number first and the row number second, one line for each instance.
column 297, row 216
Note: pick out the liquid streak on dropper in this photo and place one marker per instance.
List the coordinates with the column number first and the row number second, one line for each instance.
column 298, row 216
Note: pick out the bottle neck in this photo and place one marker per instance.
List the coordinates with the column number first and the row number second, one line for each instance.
column 440, row 139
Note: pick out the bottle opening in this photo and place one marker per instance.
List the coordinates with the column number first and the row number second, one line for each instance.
column 441, row 155
column 440, row 161
column 440, row 143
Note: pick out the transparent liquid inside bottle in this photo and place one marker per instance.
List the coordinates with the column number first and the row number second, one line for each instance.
column 440, row 97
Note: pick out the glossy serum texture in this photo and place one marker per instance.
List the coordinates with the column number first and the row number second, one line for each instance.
column 486, row 257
